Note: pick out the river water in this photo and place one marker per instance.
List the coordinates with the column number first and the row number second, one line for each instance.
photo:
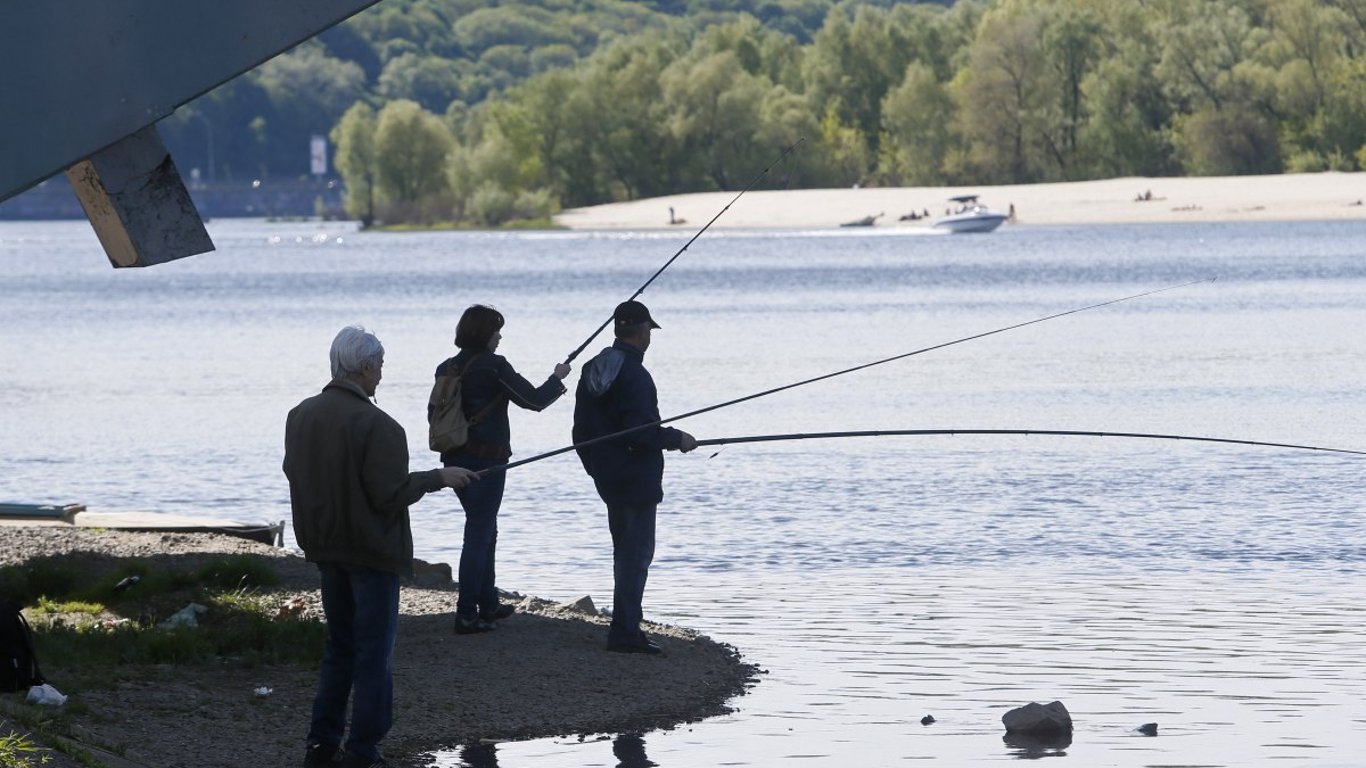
column 1214, row 590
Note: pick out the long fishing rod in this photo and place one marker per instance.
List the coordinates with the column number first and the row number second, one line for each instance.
column 1051, row 432
column 823, row 377
column 671, row 260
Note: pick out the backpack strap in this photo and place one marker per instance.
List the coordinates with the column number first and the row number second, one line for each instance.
column 27, row 632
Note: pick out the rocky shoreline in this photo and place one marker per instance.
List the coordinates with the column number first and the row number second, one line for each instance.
column 543, row 673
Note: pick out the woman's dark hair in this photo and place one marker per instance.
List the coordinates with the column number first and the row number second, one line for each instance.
column 477, row 326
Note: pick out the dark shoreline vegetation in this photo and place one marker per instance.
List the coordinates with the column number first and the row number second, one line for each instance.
column 452, row 112
column 142, row 691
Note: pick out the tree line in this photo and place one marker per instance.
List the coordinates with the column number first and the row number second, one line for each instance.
column 977, row 92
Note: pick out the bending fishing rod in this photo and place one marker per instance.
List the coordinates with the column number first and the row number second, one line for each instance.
column 671, row 260
column 823, row 377
column 1050, row 432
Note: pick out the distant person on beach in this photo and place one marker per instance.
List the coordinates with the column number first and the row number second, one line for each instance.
column 616, row 393
column 489, row 383
column 349, row 490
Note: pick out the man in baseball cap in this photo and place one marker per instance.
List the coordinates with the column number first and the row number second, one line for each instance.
column 616, row 393
column 631, row 313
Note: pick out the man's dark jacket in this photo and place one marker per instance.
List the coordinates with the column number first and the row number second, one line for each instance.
column 349, row 484
column 616, row 392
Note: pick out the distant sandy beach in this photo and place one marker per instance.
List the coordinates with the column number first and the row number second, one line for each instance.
column 1288, row 197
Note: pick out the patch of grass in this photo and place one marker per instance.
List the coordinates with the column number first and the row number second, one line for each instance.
column 47, row 606
column 53, row 730
column 18, row 752
column 237, row 572
column 242, row 630
column 91, row 626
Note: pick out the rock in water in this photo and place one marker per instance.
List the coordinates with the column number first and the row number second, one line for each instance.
column 1038, row 719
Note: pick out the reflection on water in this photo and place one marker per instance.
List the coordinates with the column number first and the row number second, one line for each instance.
column 629, row 749
column 1215, row 591
column 1030, row 747
column 479, row 756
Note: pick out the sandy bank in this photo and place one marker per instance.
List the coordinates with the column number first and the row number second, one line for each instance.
column 1290, row 197
column 544, row 672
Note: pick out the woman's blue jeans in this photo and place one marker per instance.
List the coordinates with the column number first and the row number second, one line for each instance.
column 481, row 500
column 361, row 606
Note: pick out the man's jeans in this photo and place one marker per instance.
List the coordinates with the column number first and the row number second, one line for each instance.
column 361, row 606
column 633, row 548
column 481, row 500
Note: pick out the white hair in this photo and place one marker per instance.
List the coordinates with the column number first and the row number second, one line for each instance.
column 353, row 349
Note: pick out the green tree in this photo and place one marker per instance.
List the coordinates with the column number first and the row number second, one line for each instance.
column 411, row 147
column 1071, row 45
column 1220, row 94
column 430, row 81
column 1125, row 133
column 715, row 115
column 1227, row 141
column 851, row 66
column 354, row 157
column 630, row 139
column 918, row 115
column 1002, row 93
column 309, row 91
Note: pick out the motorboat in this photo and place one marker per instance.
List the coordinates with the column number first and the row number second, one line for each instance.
column 968, row 215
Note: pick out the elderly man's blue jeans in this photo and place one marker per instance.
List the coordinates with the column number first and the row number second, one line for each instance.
column 633, row 549
column 361, row 606
column 481, row 500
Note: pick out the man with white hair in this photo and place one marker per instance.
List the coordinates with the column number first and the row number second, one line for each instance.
column 349, row 488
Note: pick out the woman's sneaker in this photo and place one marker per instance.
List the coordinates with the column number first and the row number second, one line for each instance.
column 501, row 612
column 471, row 626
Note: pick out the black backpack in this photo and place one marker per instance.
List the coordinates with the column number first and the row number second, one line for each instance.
column 18, row 663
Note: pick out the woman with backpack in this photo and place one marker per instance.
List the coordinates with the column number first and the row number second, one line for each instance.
column 488, row 383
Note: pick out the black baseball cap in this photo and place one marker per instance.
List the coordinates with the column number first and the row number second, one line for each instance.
column 633, row 313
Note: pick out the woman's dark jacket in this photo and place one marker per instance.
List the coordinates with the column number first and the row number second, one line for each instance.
column 490, row 379
column 615, row 393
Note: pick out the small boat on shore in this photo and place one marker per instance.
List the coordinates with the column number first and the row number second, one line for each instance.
column 866, row 221
column 77, row 516
column 969, row 216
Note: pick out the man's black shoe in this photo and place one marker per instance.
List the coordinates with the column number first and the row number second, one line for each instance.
column 356, row 761
column 474, row 626
column 501, row 612
column 641, row 645
column 318, row 755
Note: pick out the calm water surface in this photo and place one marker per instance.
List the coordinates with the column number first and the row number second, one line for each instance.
column 1216, row 591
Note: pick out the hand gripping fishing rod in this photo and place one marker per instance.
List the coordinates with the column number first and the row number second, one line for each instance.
column 823, row 377
column 671, row 260
column 1057, row 432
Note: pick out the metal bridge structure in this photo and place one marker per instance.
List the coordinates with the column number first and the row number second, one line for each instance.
column 89, row 79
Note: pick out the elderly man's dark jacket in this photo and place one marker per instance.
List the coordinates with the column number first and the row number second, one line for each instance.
column 615, row 393
column 349, row 484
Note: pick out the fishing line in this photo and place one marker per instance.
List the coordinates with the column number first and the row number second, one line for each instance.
column 660, row 271
column 1050, row 432
column 823, row 377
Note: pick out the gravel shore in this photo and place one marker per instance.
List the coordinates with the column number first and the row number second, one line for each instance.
column 544, row 672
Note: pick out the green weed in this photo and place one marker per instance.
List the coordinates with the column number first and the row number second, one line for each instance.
column 17, row 751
